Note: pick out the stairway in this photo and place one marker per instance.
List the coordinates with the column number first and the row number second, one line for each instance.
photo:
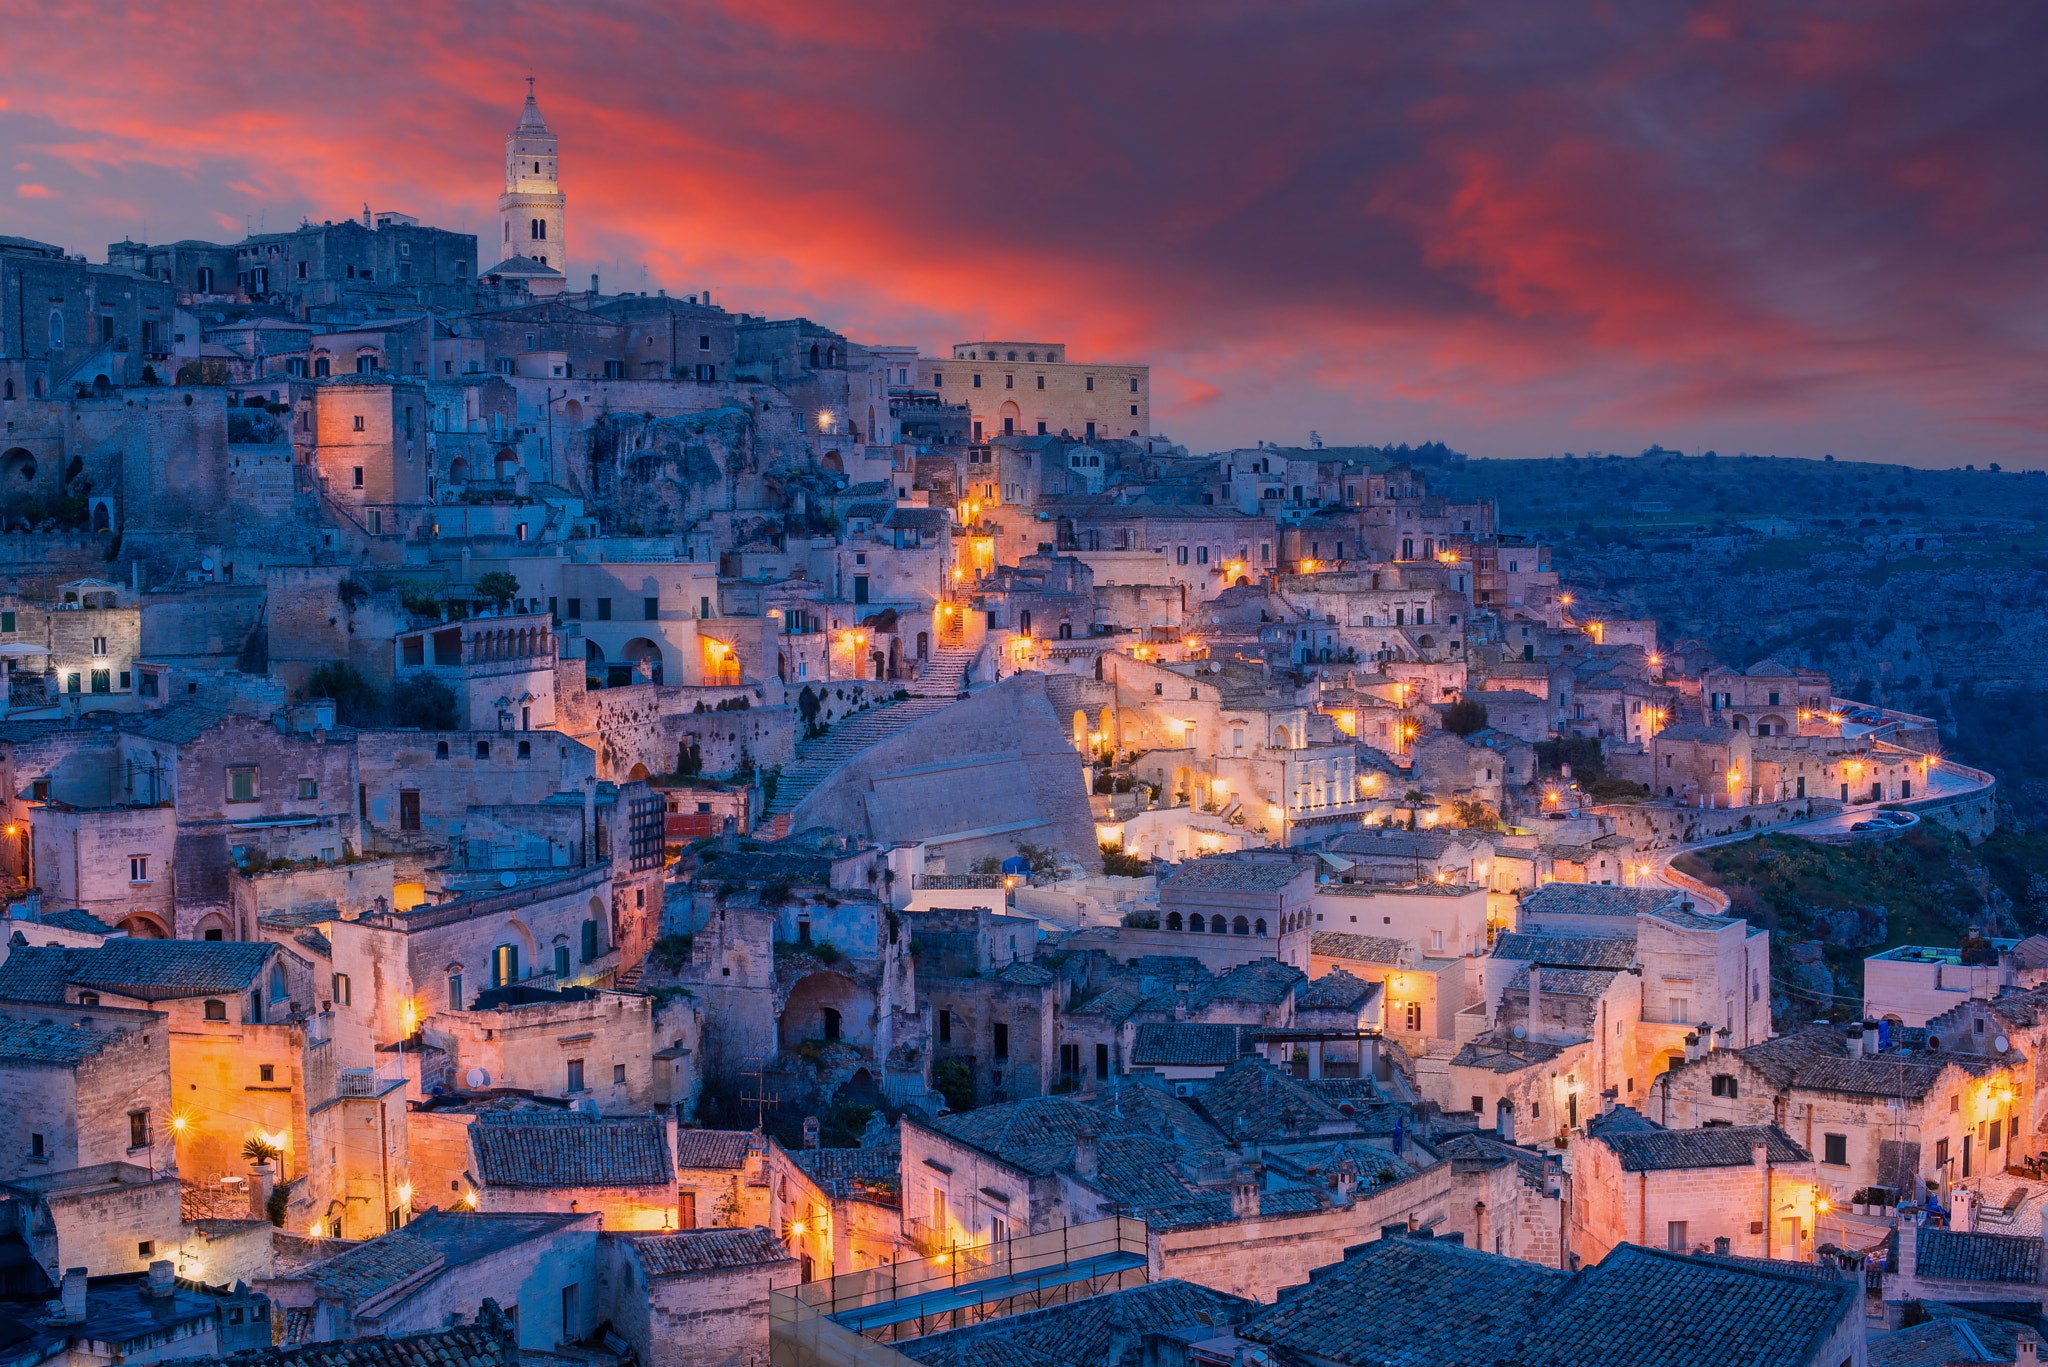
column 817, row 760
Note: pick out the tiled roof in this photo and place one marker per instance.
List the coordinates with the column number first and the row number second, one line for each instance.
column 1260, row 980
column 1504, row 1055
column 1820, row 1272
column 537, row 1115
column 1114, row 1003
column 1954, row 1256
column 707, row 1250
column 153, row 970
column 1954, row 1335
column 1718, row 1147
column 713, row 1148
column 1782, row 1058
column 1566, row 951
column 1409, row 1303
column 76, row 918
column 1188, row 1044
column 179, row 723
column 1213, row 1208
column 1369, row 949
column 1251, row 1099
column 33, row 1041
column 1880, row 1076
column 869, row 512
column 368, row 1268
column 1223, row 872
column 614, row 1153
column 1643, row 1305
column 847, row 1172
column 488, row 1343
column 1102, row 1331
column 1335, row 991
column 1403, row 844
column 1024, row 974
column 920, row 519
column 1566, row 982
column 1620, row 1120
column 1597, row 899
column 1037, row 1134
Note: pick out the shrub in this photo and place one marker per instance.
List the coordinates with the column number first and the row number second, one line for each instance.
column 1464, row 717
column 1120, row 865
column 952, row 1080
column 496, row 588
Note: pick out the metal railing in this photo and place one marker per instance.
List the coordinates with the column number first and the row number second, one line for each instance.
column 967, row 1278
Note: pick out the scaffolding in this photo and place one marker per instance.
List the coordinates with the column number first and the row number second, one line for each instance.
column 849, row 1318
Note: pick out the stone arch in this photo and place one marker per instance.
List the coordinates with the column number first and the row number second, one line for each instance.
column 18, row 467
column 144, row 925
column 214, row 925
column 1081, row 731
column 1240, row 926
column 1259, row 926
column 830, row 461
column 573, row 411
column 458, row 471
column 803, row 1017
column 638, row 773
column 504, row 463
column 1183, row 784
column 102, row 515
column 1108, row 726
column 1282, row 738
column 1426, row 642
column 1772, row 725
column 1173, row 921
column 646, row 658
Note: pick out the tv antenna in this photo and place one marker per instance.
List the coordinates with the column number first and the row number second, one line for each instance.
column 756, row 1068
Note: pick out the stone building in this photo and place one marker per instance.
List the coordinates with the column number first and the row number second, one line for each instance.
column 696, row 1296
column 576, row 1162
column 1036, row 387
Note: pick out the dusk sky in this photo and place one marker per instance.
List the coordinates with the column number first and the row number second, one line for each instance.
column 1522, row 229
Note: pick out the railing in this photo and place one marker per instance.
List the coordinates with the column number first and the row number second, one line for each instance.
column 799, row 1336
column 955, row 1275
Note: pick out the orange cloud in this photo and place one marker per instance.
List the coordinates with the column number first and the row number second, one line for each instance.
column 29, row 191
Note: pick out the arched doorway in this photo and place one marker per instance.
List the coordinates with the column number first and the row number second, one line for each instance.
column 638, row 774
column 924, row 645
column 1011, row 415
column 143, row 926
column 644, row 658
column 573, row 411
column 1081, row 731
column 458, row 471
column 18, row 467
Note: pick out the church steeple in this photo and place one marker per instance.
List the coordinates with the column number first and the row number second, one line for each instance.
column 531, row 211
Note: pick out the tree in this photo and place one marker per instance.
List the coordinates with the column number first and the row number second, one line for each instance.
column 952, row 1080
column 425, row 702
column 357, row 701
column 496, row 588
column 1465, row 716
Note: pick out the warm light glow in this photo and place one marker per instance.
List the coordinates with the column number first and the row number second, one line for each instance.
column 13, row 830
column 959, row 573
column 1656, row 659
column 1566, row 600
column 942, row 1259
column 1308, row 567
column 314, row 1229
column 404, row 1193
column 178, row 1122
column 1823, row 1205
column 1442, row 875
column 796, row 1229
column 1372, row 780
column 1550, row 797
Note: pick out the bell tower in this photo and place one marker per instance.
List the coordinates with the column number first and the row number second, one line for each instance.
column 531, row 211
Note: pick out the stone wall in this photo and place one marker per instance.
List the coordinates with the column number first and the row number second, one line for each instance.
column 977, row 778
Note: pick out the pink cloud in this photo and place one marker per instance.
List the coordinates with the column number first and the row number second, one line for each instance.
column 31, row 191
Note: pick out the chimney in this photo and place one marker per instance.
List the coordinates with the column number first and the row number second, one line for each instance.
column 1692, row 1047
column 729, row 835
column 1909, row 1249
column 1535, row 1001
column 1871, row 1038
column 810, row 1132
column 1084, row 1152
column 1609, row 1099
column 261, row 1178
column 161, row 1282
column 74, row 1295
column 593, row 282
column 1855, row 1041
column 1347, row 1178
column 2027, row 1350
column 1244, row 1192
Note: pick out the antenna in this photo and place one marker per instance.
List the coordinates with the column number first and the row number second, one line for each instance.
column 755, row 1068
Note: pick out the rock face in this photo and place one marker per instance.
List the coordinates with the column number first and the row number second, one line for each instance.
column 977, row 778
column 663, row 474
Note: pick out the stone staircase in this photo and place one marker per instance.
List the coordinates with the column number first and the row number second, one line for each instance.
column 817, row 760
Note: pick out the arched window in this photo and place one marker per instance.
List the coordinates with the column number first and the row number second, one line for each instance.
column 1173, row 921
column 526, row 749
column 216, row 1010
column 56, row 330
column 1196, row 922
column 1259, row 926
column 277, row 992
column 1241, row 926
column 814, row 357
column 1024, row 621
column 483, row 749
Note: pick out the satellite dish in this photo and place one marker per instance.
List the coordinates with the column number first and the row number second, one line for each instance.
column 2002, row 1044
column 477, row 1077
column 1521, row 1032
column 206, row 563
column 508, row 879
column 1934, row 1044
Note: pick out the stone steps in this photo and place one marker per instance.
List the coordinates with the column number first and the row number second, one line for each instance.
column 817, row 760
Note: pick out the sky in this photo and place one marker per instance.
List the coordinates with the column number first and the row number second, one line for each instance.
column 1521, row 229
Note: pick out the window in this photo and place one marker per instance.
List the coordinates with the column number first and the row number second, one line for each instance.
column 1009, row 381
column 1724, row 1085
column 1941, row 1153
column 99, row 645
column 651, row 607
column 358, row 471
column 309, row 788
column 1041, row 381
column 242, row 783
column 1134, row 384
column 343, row 994
column 266, row 1072
column 1414, row 1017
column 35, row 1146
column 72, row 684
column 575, row 1075
column 138, row 868
column 454, row 991
column 945, row 1027
column 589, row 941
column 216, row 1010
column 1102, row 1062
column 939, row 1213
column 102, row 681
column 686, row 1211
column 1681, row 1010
column 618, row 1073
column 138, row 1129
column 440, row 749
column 1674, row 1236
column 1996, row 1126
column 1091, row 384
column 604, row 609
column 977, row 380
column 1835, row 1149
column 574, row 611
column 145, row 1248
column 483, row 749
column 561, row 961
column 1002, row 1041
